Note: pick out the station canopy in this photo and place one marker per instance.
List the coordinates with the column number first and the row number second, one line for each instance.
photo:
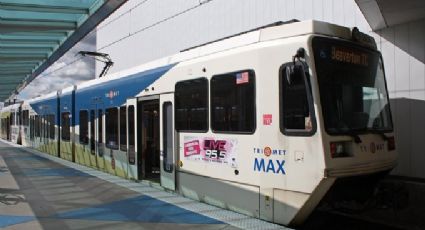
column 381, row 14
column 36, row 33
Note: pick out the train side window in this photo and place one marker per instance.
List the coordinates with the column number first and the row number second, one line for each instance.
column 191, row 109
column 25, row 117
column 92, row 128
column 123, row 128
column 296, row 105
column 66, row 126
column 111, row 125
column 100, row 126
column 36, row 126
column 131, row 145
column 84, row 131
column 52, row 126
column 233, row 102
column 45, row 127
column 31, row 127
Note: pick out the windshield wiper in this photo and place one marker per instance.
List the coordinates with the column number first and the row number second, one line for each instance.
column 350, row 133
column 354, row 133
column 355, row 136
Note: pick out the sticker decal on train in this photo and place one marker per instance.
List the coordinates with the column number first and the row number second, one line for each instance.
column 267, row 151
column 209, row 149
column 269, row 166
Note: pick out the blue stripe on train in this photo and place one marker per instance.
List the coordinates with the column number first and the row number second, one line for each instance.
column 108, row 94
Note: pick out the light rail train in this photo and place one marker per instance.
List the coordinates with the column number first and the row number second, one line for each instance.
column 268, row 123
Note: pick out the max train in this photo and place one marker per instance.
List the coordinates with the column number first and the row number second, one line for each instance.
column 268, row 123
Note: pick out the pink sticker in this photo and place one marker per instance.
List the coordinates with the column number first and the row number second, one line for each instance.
column 267, row 119
column 192, row 148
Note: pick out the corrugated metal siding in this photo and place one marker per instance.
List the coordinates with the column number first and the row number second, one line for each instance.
column 125, row 37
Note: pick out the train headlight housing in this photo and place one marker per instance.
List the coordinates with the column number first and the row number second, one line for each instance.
column 340, row 149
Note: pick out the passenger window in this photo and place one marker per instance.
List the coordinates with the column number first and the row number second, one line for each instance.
column 40, row 126
column 100, row 126
column 123, row 128
column 31, row 127
column 25, row 117
column 84, row 132
column 191, row 99
column 296, row 118
column 52, row 126
column 46, row 126
column 66, row 125
column 233, row 102
column 36, row 126
column 111, row 125
column 100, row 133
column 131, row 146
column 92, row 128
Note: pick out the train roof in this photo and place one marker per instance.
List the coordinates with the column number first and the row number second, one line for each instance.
column 42, row 97
column 267, row 33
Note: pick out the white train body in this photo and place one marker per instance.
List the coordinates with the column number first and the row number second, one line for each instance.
column 269, row 169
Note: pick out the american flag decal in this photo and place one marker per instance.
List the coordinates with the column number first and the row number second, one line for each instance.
column 242, row 78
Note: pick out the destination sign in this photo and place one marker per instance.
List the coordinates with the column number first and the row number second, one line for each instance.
column 349, row 56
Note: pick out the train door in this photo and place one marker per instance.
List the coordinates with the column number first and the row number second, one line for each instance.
column 148, row 140
column 132, row 137
column 168, row 157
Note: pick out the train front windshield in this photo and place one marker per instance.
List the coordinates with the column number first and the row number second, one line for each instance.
column 352, row 87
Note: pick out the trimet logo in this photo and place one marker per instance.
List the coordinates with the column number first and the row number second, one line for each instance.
column 111, row 94
column 267, row 151
column 268, row 165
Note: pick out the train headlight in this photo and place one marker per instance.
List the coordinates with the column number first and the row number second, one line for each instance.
column 340, row 149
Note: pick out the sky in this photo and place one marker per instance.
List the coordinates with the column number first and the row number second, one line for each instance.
column 64, row 72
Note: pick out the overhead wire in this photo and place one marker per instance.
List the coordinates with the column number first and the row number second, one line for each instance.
column 201, row 3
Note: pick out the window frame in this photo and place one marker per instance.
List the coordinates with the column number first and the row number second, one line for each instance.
column 251, row 71
column 310, row 101
column 207, row 107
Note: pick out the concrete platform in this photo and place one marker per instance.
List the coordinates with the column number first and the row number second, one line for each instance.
column 39, row 191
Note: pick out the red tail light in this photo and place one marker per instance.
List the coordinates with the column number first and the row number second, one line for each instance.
column 391, row 143
column 333, row 149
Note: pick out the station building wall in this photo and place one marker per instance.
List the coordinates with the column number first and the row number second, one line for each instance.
column 145, row 30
